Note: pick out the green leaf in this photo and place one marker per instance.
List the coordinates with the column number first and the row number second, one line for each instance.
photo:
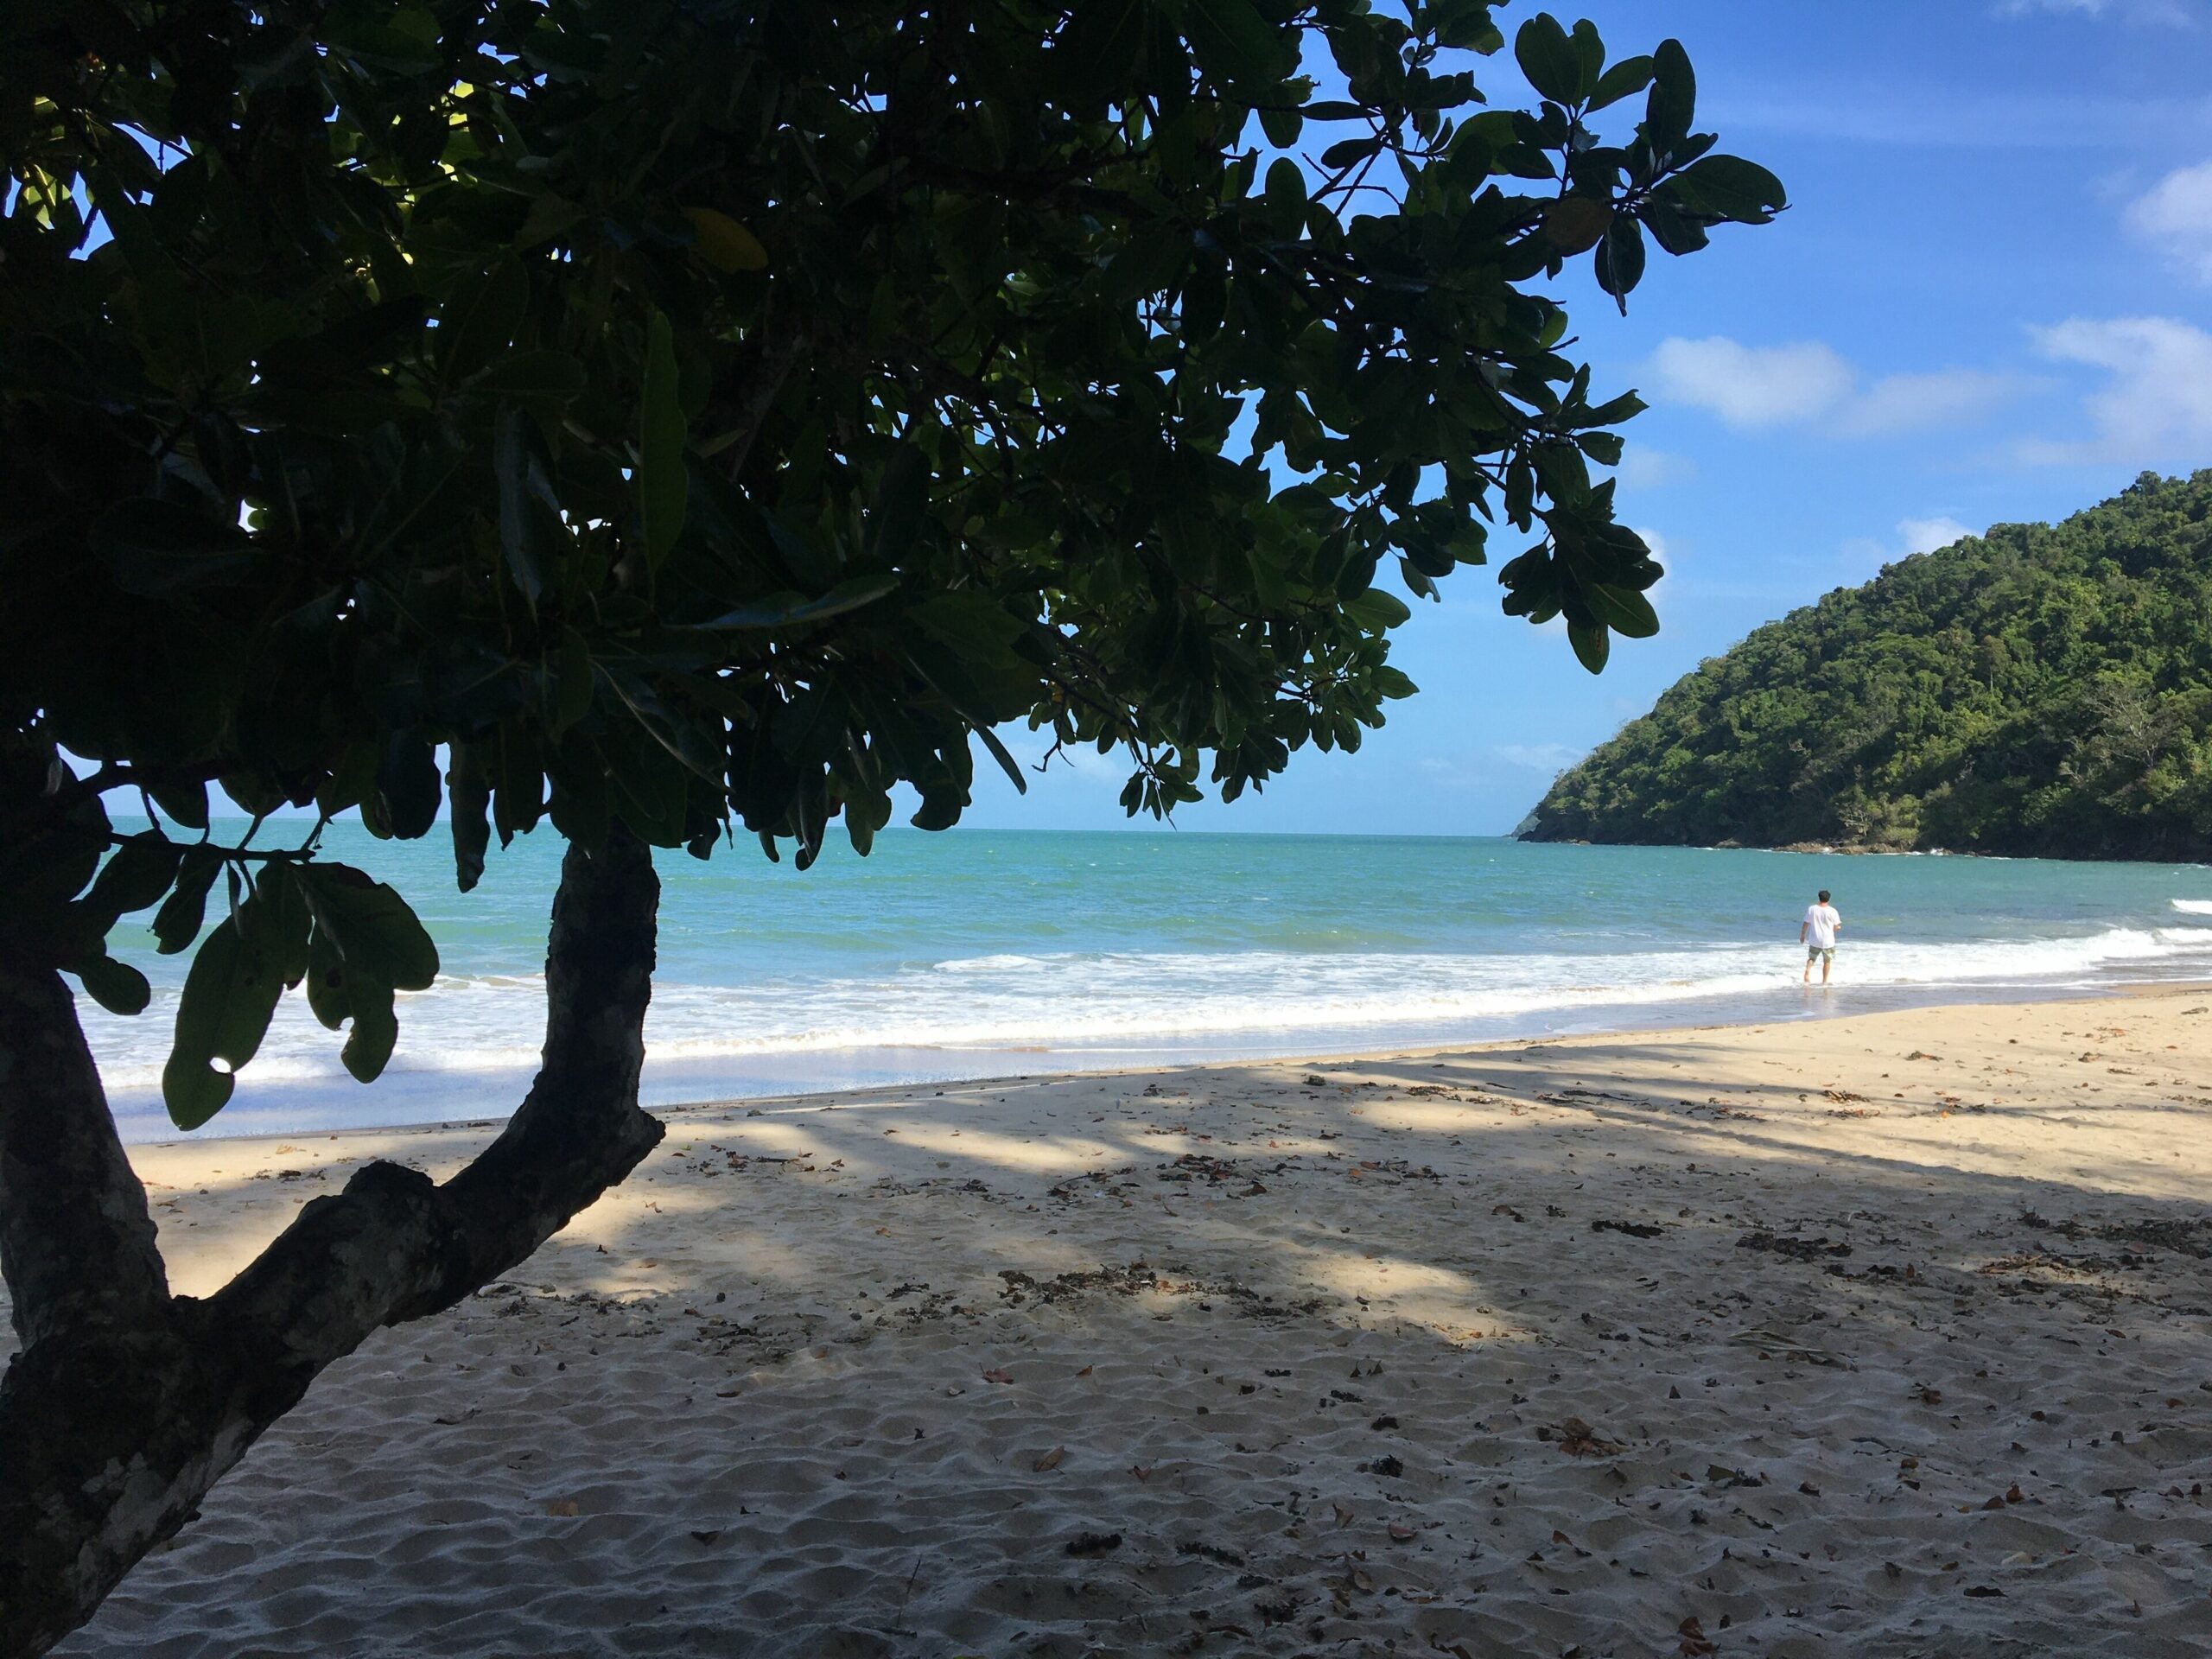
column 407, row 785
column 1624, row 79
column 468, row 791
column 1672, row 104
column 327, row 994
column 1393, row 682
column 193, row 1091
column 1237, row 46
column 479, row 320
column 176, row 924
column 531, row 533
column 1590, row 643
column 376, row 1026
column 1346, row 152
column 186, row 803
column 649, row 780
column 683, row 741
column 399, row 37
column 901, row 504
column 972, row 624
column 573, row 680
column 158, row 547
column 664, row 487
column 940, row 810
column 1378, row 609
column 1103, row 45
column 545, row 382
column 1006, row 762
column 353, row 779
column 1671, row 228
column 1589, row 58
column 116, row 986
column 229, row 994
column 136, row 872
column 518, row 783
column 334, row 412
column 338, row 991
column 1465, row 24
column 1281, row 126
column 1603, row 448
column 283, row 918
column 1624, row 610
column 1204, row 300
column 373, row 928
column 1613, row 410
column 1731, row 188
column 1620, row 259
column 549, row 215
column 784, row 610
column 1548, row 59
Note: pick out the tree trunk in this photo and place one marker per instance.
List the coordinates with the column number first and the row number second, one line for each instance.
column 126, row 1404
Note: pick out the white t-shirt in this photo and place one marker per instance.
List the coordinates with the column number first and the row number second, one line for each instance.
column 1821, row 924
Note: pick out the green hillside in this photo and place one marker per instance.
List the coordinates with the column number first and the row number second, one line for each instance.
column 2038, row 690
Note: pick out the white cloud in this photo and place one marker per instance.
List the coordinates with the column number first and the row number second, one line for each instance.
column 1915, row 403
column 1926, row 534
column 1449, row 773
column 1538, row 757
column 2175, row 216
column 1657, row 593
column 2156, row 403
column 1752, row 387
column 2176, row 12
column 1913, row 536
column 1644, row 468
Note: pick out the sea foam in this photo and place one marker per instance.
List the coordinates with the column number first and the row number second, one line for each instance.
column 1118, row 999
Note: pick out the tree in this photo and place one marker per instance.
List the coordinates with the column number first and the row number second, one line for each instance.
column 684, row 414
column 2044, row 690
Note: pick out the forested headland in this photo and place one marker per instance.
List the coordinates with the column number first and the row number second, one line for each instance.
column 2040, row 690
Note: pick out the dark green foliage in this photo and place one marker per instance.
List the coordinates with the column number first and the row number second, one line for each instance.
column 692, row 414
column 2041, row 690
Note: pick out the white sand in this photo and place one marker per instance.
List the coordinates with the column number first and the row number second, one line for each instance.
column 1345, row 1367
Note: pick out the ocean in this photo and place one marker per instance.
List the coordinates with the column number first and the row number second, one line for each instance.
column 987, row 953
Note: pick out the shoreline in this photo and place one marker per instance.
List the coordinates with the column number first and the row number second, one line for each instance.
column 1872, row 849
column 2011, row 997
column 1272, row 947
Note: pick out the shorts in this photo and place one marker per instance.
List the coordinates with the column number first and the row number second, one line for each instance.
column 1822, row 953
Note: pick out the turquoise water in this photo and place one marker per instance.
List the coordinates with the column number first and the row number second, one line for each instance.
column 983, row 953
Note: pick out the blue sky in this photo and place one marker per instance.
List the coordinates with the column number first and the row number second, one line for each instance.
column 1990, row 302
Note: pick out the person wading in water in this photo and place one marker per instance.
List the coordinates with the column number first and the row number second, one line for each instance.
column 1817, row 934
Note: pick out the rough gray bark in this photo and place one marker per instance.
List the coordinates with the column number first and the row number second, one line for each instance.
column 127, row 1404
column 76, row 1243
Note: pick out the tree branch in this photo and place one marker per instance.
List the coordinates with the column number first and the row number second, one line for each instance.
column 113, row 1427
column 392, row 1247
column 762, row 385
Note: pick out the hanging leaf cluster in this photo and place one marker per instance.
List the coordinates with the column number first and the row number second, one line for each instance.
column 691, row 416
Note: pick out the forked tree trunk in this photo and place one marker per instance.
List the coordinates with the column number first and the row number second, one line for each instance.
column 126, row 1404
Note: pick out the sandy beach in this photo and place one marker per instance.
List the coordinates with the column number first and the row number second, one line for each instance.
column 1886, row 1335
